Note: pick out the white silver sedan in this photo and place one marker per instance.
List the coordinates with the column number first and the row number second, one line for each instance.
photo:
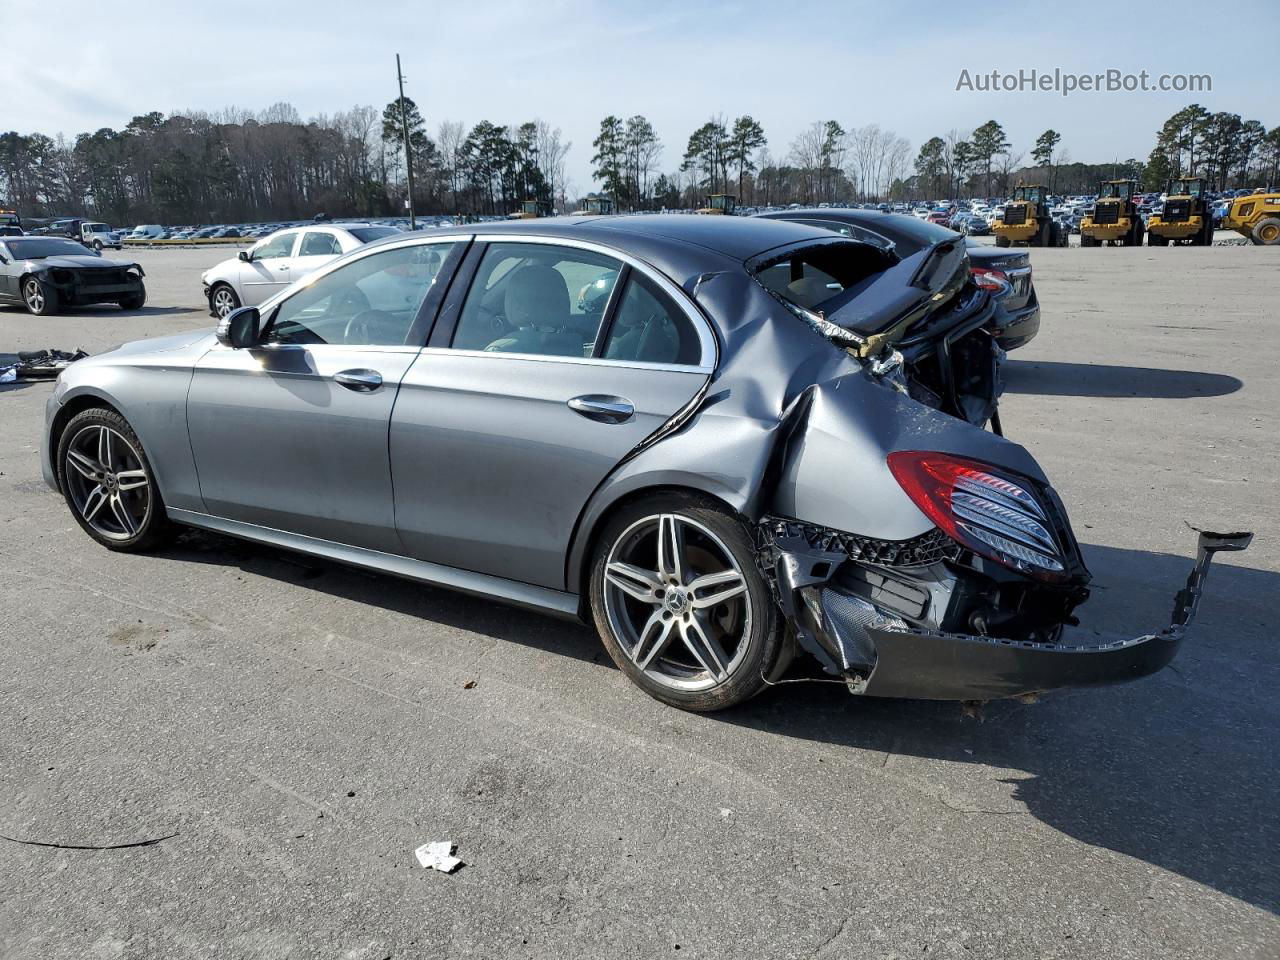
column 277, row 260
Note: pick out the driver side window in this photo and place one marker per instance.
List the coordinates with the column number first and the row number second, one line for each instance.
column 372, row 301
column 280, row 245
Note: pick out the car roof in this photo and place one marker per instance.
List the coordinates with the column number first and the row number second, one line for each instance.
column 739, row 238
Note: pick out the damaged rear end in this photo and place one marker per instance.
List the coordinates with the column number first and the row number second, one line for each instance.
column 913, row 553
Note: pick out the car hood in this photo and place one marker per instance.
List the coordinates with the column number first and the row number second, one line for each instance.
column 88, row 261
column 194, row 342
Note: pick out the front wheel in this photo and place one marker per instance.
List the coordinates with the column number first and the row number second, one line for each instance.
column 223, row 300
column 681, row 606
column 135, row 301
column 1267, row 232
column 40, row 298
column 1002, row 240
column 108, row 483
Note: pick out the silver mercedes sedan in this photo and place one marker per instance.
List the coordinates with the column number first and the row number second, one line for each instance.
column 725, row 441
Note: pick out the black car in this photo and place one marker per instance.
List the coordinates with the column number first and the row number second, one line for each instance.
column 1005, row 272
column 45, row 273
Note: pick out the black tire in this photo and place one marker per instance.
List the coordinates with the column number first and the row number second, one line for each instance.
column 1087, row 240
column 1055, row 237
column 755, row 654
column 135, row 301
column 41, row 300
column 149, row 526
column 223, row 299
column 97, row 245
column 1266, row 233
column 1041, row 239
column 1156, row 240
column 1137, row 233
column 1002, row 240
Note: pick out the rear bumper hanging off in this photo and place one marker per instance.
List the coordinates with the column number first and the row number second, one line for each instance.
column 879, row 654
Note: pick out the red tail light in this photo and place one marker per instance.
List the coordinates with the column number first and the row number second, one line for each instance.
column 984, row 511
column 994, row 280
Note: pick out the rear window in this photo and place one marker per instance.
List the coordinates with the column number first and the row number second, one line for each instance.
column 814, row 275
column 369, row 234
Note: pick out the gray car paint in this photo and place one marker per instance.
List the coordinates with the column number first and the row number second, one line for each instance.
column 789, row 424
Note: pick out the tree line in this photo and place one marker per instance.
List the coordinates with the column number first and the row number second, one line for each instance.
column 240, row 166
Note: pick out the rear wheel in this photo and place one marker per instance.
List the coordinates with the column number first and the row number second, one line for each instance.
column 40, row 298
column 1267, row 232
column 223, row 300
column 108, row 483
column 681, row 606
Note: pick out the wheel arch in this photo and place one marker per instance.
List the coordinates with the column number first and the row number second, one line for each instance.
column 608, row 502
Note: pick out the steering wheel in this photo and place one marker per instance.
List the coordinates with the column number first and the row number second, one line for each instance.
column 359, row 328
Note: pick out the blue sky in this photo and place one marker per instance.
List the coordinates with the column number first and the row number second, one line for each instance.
column 85, row 65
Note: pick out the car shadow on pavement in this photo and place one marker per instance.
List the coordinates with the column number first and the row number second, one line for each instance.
column 434, row 604
column 1178, row 770
column 1060, row 379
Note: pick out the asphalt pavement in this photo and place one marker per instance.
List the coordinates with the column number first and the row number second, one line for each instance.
column 289, row 731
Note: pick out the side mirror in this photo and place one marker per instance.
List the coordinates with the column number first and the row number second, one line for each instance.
column 245, row 256
column 240, row 328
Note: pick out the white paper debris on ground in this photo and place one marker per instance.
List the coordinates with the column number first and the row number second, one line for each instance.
column 438, row 856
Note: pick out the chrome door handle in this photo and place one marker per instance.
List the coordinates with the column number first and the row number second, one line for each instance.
column 282, row 269
column 361, row 381
column 604, row 408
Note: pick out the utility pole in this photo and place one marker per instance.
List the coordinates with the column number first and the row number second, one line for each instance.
column 408, row 153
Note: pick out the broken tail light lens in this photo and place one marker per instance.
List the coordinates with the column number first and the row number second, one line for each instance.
column 983, row 510
column 993, row 280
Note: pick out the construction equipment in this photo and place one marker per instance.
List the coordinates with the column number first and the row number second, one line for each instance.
column 1186, row 217
column 532, row 210
column 1027, row 220
column 595, row 207
column 719, row 203
column 1115, row 216
column 1256, row 216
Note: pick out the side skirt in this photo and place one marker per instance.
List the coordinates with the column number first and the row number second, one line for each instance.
column 528, row 596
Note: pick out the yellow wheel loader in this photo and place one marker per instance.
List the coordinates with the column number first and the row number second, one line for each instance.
column 1115, row 216
column 1186, row 217
column 532, row 210
column 1026, row 220
column 1256, row 216
column 595, row 207
column 719, row 203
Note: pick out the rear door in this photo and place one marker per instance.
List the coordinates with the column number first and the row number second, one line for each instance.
column 269, row 269
column 551, row 361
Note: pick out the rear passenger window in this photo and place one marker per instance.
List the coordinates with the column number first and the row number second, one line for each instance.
column 536, row 299
column 319, row 245
column 649, row 328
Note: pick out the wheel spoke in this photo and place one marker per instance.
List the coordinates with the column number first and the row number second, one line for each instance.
column 85, row 466
column 104, row 448
column 94, row 501
column 670, row 548
column 123, row 516
column 633, row 581
column 730, row 584
column 704, row 649
column 655, row 635
column 131, row 479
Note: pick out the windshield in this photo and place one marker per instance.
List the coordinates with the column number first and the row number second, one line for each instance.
column 38, row 249
column 1190, row 188
column 96, row 227
column 367, row 234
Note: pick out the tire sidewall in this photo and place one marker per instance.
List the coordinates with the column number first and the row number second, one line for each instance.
column 213, row 295
column 50, row 297
column 766, row 622
column 157, row 525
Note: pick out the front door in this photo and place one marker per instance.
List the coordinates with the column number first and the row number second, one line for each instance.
column 500, row 437
column 293, row 434
column 268, row 270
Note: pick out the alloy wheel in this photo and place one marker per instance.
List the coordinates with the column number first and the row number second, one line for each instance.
column 678, row 603
column 223, row 301
column 107, row 482
column 33, row 294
